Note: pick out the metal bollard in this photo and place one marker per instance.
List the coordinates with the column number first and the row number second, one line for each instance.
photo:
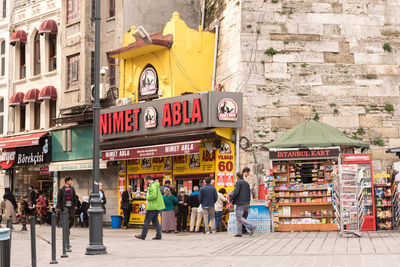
column 5, row 247
column 24, row 224
column 68, row 232
column 33, row 241
column 64, row 234
column 53, row 239
column 9, row 223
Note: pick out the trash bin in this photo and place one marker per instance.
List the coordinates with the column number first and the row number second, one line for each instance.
column 5, row 247
column 116, row 221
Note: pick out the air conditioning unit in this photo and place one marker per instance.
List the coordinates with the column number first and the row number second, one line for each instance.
column 123, row 101
column 103, row 91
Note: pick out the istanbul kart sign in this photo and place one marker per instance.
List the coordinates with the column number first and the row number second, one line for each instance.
column 167, row 115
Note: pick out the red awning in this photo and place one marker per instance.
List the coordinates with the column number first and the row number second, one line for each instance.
column 17, row 99
column 21, row 140
column 164, row 150
column 18, row 36
column 48, row 92
column 32, row 96
column 48, row 26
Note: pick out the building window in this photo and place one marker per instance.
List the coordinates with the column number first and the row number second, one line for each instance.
column 4, row 13
column 72, row 10
column 36, row 54
column 52, row 52
column 53, row 111
column 3, row 58
column 92, row 68
column 37, row 116
column 22, row 61
column 112, row 8
column 2, row 116
column 111, row 69
column 22, row 115
column 73, row 71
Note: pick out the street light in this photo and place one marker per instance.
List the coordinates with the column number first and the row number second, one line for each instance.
column 96, row 246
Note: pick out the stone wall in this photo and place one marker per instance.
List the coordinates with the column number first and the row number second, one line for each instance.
column 333, row 60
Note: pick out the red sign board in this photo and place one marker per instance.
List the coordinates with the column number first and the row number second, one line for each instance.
column 304, row 154
column 7, row 157
column 164, row 150
column 357, row 157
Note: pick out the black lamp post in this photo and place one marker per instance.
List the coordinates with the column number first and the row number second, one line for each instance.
column 96, row 246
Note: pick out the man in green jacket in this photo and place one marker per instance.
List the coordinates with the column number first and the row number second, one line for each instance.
column 155, row 203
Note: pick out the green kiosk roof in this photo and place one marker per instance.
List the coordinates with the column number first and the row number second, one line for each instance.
column 312, row 133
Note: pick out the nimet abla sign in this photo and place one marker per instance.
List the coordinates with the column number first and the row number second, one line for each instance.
column 188, row 112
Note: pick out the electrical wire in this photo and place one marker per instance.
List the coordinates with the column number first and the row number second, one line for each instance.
column 182, row 70
column 244, row 82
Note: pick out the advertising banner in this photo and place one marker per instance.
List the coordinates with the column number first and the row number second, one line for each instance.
column 225, row 169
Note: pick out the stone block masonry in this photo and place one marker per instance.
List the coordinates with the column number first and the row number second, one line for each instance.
column 322, row 59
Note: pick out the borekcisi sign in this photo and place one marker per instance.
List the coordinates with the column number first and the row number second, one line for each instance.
column 188, row 112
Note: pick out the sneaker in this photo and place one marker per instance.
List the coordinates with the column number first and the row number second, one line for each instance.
column 207, row 233
column 253, row 230
column 213, row 232
column 125, row 227
column 156, row 238
column 139, row 237
column 237, row 235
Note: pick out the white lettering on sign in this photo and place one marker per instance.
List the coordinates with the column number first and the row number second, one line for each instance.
column 171, row 148
column 186, row 147
column 7, row 156
column 124, row 153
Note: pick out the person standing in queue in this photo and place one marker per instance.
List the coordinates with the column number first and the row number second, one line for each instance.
column 155, row 203
column 194, row 207
column 208, row 196
column 126, row 205
column 241, row 198
column 182, row 210
column 219, row 207
column 167, row 184
column 66, row 198
column 168, row 214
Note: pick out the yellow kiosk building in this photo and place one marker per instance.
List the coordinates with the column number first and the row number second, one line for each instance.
column 168, row 123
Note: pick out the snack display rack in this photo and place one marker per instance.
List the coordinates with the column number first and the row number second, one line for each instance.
column 349, row 199
column 384, row 201
column 396, row 205
column 302, row 196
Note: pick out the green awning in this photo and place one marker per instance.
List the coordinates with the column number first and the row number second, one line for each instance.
column 314, row 134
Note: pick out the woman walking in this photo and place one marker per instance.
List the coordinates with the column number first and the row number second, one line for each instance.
column 168, row 214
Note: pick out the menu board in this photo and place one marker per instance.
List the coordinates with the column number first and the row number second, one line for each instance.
column 202, row 162
column 225, row 170
column 149, row 165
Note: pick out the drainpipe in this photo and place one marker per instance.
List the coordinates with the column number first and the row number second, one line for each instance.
column 203, row 13
column 237, row 149
column 215, row 58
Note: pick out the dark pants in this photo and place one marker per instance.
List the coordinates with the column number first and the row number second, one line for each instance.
column 245, row 215
column 181, row 220
column 151, row 216
column 71, row 215
column 218, row 219
column 127, row 215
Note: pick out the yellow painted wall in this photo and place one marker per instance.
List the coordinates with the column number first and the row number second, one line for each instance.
column 185, row 67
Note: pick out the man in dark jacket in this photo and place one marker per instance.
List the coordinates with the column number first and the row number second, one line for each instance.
column 126, row 205
column 194, row 207
column 66, row 199
column 208, row 196
column 241, row 198
column 182, row 210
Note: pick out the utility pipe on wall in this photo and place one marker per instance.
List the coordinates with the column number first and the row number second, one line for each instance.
column 215, row 58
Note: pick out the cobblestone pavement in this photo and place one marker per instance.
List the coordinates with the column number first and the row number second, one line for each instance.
column 187, row 249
